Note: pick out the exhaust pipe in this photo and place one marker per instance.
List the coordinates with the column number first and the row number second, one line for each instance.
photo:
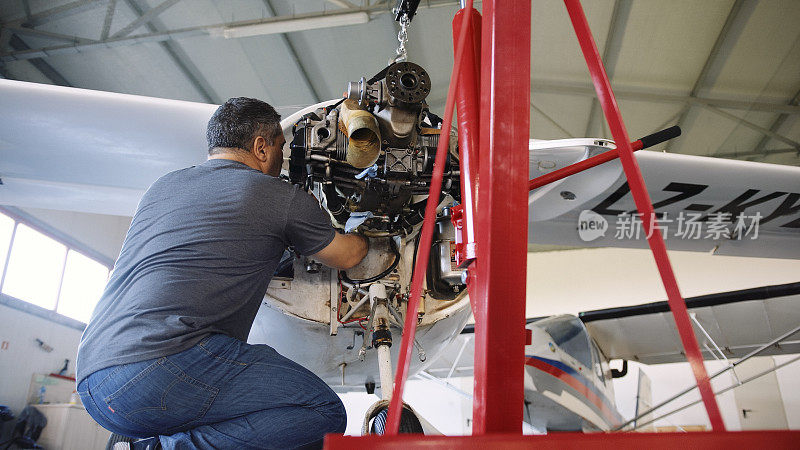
column 363, row 133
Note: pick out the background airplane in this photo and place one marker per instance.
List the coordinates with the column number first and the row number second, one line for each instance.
column 568, row 377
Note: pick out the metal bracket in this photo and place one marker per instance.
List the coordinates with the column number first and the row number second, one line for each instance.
column 721, row 356
column 334, row 316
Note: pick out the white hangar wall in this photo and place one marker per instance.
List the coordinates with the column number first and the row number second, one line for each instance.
column 21, row 323
column 21, row 357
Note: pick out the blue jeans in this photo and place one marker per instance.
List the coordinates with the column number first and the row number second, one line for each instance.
column 220, row 394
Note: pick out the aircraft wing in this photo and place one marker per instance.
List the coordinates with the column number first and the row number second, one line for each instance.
column 92, row 151
column 738, row 322
column 730, row 207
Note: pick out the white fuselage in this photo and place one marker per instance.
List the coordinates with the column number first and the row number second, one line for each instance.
column 568, row 384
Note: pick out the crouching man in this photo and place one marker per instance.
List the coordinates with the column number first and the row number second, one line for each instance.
column 165, row 352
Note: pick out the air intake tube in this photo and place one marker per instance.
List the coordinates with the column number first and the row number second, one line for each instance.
column 363, row 133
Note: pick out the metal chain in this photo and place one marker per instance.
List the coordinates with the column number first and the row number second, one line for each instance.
column 402, row 38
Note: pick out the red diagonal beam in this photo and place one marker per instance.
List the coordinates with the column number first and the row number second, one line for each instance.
column 410, row 327
column 580, row 166
column 645, row 207
column 577, row 167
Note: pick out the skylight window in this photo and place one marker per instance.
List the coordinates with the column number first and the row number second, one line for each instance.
column 34, row 268
column 6, row 231
column 84, row 281
column 48, row 272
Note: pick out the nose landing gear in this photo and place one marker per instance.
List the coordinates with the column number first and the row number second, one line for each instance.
column 375, row 419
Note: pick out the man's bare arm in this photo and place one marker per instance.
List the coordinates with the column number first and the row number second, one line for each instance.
column 344, row 251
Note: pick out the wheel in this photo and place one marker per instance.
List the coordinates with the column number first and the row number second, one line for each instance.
column 120, row 442
column 115, row 438
column 409, row 423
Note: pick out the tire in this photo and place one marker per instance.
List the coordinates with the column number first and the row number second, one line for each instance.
column 114, row 438
column 409, row 423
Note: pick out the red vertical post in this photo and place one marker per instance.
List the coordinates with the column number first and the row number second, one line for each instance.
column 503, row 216
column 645, row 207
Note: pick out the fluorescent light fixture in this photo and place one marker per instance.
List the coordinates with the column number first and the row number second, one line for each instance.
column 298, row 24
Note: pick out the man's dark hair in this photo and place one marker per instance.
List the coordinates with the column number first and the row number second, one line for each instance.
column 239, row 121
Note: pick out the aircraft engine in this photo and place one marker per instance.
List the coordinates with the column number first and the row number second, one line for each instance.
column 372, row 153
column 369, row 159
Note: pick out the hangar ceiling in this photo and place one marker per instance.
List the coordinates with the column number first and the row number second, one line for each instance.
column 727, row 71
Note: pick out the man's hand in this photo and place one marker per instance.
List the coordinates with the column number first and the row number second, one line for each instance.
column 344, row 251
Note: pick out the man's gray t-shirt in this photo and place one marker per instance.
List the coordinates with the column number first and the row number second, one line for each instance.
column 197, row 260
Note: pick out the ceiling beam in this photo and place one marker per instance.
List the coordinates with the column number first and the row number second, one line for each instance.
column 5, row 36
column 734, row 25
column 27, row 31
column 776, row 125
column 59, row 12
column 26, row 6
column 202, row 30
column 616, row 33
column 145, row 18
column 667, row 123
column 73, row 49
column 341, row 3
column 754, row 127
column 551, row 120
column 112, row 7
column 42, row 66
column 178, row 56
column 625, row 93
column 763, row 153
column 293, row 54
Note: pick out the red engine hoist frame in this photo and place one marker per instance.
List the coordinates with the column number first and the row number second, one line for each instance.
column 494, row 220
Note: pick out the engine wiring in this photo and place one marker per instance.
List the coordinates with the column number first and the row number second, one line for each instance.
column 392, row 266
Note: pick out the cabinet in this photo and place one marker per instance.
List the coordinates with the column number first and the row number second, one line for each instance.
column 70, row 427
